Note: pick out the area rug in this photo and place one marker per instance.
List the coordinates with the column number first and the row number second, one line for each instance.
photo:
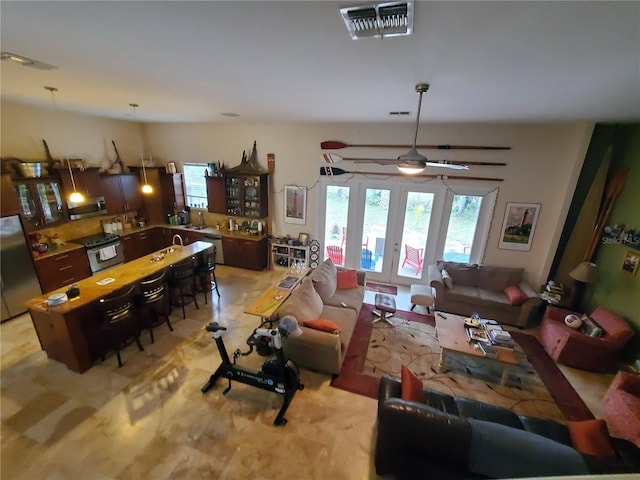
column 381, row 288
column 380, row 349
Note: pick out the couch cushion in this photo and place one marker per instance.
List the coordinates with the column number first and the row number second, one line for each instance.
column 515, row 295
column 497, row 278
column 304, row 303
column 324, row 279
column 460, row 273
column 591, row 437
column 503, row 452
column 347, row 279
column 462, row 294
column 446, row 279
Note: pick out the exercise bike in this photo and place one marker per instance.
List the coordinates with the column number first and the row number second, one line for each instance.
column 277, row 374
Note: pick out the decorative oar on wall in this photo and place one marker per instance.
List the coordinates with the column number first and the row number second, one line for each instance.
column 457, row 165
column 333, row 171
column 271, row 168
column 335, row 145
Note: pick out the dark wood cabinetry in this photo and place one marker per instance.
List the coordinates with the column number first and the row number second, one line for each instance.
column 40, row 202
column 9, row 200
column 249, row 254
column 216, row 199
column 87, row 182
column 139, row 244
column 121, row 192
column 62, row 270
column 246, row 195
column 168, row 195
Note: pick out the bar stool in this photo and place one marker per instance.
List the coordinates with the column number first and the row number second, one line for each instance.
column 118, row 319
column 182, row 284
column 153, row 302
column 206, row 273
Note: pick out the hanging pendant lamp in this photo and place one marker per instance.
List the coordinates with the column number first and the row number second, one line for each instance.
column 75, row 196
column 146, row 188
column 412, row 163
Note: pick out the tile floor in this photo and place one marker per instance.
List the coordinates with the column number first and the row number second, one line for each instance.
column 149, row 419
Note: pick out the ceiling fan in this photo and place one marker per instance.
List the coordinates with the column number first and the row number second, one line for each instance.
column 412, row 162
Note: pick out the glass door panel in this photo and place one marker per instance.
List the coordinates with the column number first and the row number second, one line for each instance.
column 415, row 233
column 28, row 205
column 374, row 229
column 463, row 222
column 336, row 219
column 50, row 201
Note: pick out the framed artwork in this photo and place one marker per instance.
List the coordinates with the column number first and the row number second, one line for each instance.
column 518, row 226
column 303, row 238
column 631, row 262
column 295, row 204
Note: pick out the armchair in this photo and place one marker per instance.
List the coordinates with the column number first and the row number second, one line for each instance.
column 575, row 349
column 620, row 406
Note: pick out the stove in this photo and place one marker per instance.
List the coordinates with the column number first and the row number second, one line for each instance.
column 97, row 240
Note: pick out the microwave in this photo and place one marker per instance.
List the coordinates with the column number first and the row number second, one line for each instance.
column 90, row 207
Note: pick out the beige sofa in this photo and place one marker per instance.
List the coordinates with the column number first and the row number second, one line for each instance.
column 318, row 297
column 480, row 288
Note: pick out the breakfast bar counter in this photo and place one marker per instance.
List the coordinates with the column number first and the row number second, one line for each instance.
column 69, row 332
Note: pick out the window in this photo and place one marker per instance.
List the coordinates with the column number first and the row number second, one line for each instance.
column 195, row 184
column 463, row 222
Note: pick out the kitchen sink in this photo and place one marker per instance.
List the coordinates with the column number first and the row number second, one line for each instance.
column 171, row 249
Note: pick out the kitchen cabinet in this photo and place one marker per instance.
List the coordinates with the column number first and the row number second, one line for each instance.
column 121, row 192
column 216, row 199
column 57, row 271
column 246, row 195
column 139, row 244
column 87, row 182
column 241, row 253
column 168, row 195
column 40, row 202
column 8, row 201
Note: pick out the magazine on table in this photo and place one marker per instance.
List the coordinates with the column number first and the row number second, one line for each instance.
column 288, row 283
column 477, row 335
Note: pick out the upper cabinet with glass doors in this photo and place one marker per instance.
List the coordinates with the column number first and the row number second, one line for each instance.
column 247, row 195
column 40, row 201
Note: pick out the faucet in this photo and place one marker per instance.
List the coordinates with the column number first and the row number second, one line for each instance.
column 179, row 238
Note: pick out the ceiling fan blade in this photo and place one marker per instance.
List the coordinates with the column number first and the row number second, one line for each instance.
column 336, row 145
column 452, row 166
column 331, row 171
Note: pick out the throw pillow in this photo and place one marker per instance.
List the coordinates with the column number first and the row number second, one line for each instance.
column 323, row 324
column 591, row 437
column 499, row 451
column 515, row 295
column 446, row 279
column 411, row 386
column 304, row 303
column 347, row 279
column 590, row 327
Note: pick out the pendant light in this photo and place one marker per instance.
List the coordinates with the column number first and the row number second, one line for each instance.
column 75, row 196
column 412, row 163
column 146, row 188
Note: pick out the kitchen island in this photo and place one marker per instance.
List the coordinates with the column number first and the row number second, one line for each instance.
column 69, row 333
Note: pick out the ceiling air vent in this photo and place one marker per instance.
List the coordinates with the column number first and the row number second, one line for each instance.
column 387, row 19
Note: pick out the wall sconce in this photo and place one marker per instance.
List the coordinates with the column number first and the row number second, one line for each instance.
column 75, row 195
column 146, row 188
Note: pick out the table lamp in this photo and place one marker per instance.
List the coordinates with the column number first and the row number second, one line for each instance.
column 584, row 273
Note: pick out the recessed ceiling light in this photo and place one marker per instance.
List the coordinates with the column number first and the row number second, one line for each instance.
column 230, row 114
column 26, row 61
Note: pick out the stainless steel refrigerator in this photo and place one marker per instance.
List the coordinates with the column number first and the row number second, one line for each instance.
column 19, row 279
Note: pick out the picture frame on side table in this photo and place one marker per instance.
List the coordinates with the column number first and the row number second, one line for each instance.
column 631, row 262
column 519, row 225
column 295, row 204
column 303, row 238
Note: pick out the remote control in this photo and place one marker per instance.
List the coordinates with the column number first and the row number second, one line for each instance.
column 441, row 315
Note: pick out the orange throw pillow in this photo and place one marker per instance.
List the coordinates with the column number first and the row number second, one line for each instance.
column 347, row 279
column 515, row 295
column 411, row 386
column 323, row 324
column 591, row 437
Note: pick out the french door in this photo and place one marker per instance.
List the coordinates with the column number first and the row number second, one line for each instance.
column 394, row 230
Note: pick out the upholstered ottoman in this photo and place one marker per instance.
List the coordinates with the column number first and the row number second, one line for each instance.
column 621, row 407
column 422, row 295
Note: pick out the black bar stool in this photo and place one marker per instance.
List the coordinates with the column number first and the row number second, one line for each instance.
column 206, row 273
column 119, row 320
column 153, row 302
column 182, row 284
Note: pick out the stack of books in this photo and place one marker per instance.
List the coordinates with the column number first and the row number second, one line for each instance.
column 500, row 338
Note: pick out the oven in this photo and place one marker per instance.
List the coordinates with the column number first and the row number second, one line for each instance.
column 104, row 251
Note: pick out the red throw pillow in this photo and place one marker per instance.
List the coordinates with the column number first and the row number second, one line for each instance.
column 411, row 386
column 347, row 279
column 515, row 295
column 591, row 437
column 323, row 324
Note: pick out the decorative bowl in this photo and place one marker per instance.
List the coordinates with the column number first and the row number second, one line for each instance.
column 573, row 321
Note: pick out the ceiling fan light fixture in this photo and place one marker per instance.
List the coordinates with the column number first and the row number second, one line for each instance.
column 411, row 167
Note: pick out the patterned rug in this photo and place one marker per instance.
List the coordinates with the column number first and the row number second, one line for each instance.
column 379, row 349
column 381, row 288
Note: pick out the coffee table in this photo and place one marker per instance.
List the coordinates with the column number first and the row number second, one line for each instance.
column 452, row 338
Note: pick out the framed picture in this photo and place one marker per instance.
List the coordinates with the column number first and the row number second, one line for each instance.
column 295, row 204
column 518, row 226
column 303, row 238
column 631, row 262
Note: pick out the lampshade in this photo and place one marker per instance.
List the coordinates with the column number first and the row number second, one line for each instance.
column 585, row 272
column 411, row 167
